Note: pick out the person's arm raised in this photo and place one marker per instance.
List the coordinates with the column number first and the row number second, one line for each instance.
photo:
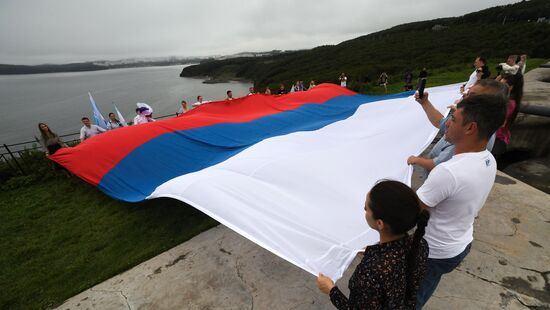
column 431, row 112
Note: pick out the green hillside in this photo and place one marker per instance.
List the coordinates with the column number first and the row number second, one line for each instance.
column 494, row 33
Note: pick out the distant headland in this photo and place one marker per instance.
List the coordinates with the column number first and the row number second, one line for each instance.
column 10, row 69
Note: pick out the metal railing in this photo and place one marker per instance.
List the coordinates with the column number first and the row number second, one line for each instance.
column 11, row 154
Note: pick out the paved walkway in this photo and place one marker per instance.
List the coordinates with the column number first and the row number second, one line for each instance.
column 508, row 268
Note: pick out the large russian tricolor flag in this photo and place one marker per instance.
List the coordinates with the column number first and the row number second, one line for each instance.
column 288, row 172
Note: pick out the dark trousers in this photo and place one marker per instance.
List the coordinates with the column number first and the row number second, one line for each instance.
column 498, row 148
column 51, row 150
column 434, row 270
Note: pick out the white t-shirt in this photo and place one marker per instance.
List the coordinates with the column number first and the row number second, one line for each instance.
column 86, row 133
column 140, row 119
column 471, row 81
column 455, row 191
column 507, row 69
column 198, row 103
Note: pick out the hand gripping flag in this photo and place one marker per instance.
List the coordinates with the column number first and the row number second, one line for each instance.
column 288, row 172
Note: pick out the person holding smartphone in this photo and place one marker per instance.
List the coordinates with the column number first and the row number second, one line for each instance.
column 444, row 150
column 456, row 190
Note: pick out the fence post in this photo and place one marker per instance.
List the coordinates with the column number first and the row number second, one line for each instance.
column 14, row 159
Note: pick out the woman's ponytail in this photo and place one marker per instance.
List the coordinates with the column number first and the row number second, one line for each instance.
column 421, row 223
column 413, row 257
column 398, row 206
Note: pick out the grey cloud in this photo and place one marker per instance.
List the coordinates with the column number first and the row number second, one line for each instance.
column 75, row 30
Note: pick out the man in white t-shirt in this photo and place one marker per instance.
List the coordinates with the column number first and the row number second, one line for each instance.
column 443, row 150
column 199, row 102
column 513, row 65
column 456, row 190
column 88, row 130
column 479, row 62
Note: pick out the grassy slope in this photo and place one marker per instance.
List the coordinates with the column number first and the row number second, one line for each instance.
column 62, row 236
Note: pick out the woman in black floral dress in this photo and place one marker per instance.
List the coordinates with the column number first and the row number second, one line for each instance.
column 390, row 272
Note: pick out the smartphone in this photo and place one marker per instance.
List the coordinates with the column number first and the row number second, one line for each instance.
column 421, row 88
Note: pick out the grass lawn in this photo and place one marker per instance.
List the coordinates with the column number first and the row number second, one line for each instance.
column 62, row 236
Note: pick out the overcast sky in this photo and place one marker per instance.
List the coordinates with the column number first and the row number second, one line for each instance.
column 61, row 31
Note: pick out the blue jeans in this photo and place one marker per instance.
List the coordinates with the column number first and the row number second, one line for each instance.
column 434, row 270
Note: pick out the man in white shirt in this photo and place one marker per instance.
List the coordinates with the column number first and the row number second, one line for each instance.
column 88, row 130
column 443, row 150
column 456, row 190
column 513, row 64
column 199, row 102
column 479, row 62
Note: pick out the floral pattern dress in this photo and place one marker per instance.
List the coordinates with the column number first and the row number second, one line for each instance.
column 380, row 280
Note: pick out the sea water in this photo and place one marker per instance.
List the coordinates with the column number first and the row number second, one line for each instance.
column 61, row 99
